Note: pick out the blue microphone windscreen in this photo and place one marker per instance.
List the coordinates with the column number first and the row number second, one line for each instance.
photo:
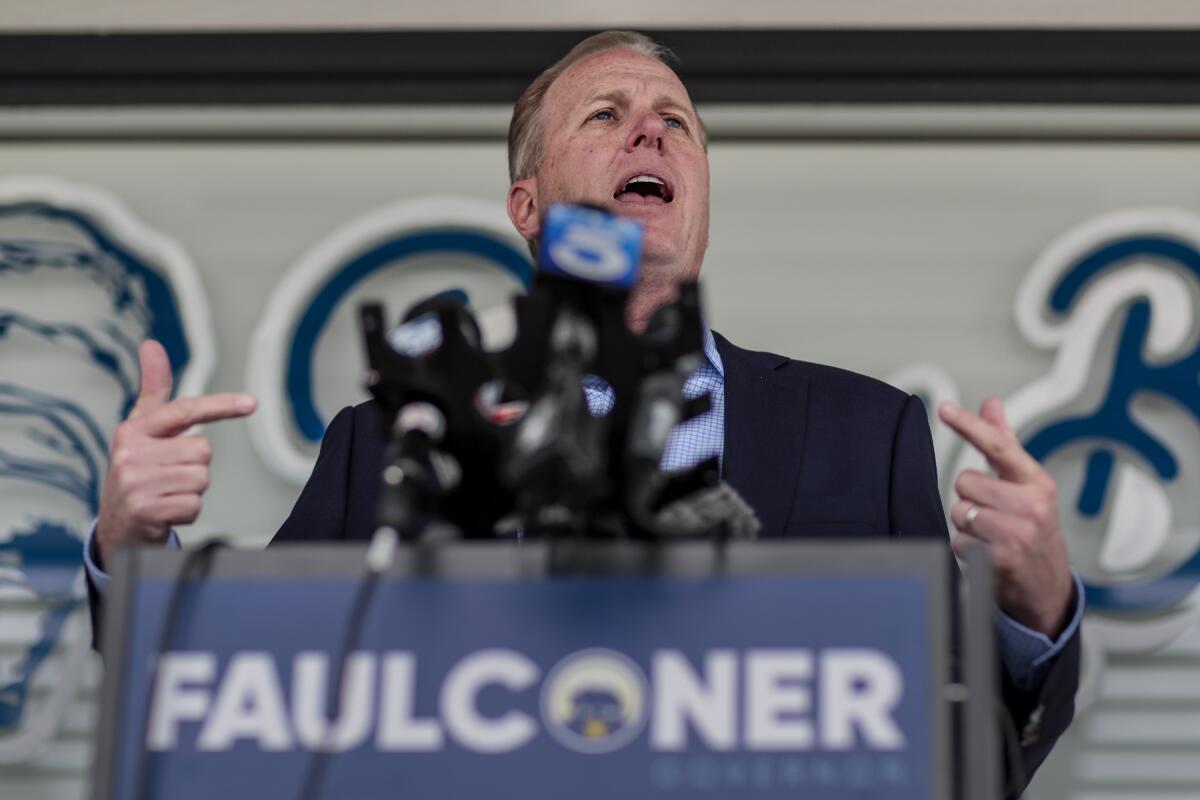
column 590, row 245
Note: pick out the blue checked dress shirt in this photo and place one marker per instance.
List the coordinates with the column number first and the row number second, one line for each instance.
column 696, row 440
column 1025, row 651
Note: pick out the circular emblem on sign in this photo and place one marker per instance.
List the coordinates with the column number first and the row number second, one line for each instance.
column 594, row 701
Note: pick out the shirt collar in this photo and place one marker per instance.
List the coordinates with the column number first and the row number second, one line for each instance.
column 710, row 349
column 710, row 352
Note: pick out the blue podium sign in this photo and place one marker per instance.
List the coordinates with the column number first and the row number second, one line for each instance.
column 480, row 682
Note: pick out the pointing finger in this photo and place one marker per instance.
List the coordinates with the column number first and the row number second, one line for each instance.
column 999, row 446
column 992, row 410
column 179, row 415
column 157, row 380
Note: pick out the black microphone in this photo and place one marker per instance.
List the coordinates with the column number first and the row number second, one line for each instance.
column 558, row 458
column 427, row 375
column 691, row 503
column 416, row 474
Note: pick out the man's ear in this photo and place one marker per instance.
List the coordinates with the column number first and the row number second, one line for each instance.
column 523, row 208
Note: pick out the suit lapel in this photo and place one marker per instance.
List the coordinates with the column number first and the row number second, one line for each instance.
column 765, row 409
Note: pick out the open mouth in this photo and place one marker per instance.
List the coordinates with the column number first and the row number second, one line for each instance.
column 644, row 187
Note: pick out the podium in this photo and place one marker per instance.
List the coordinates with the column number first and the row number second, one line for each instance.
column 548, row 670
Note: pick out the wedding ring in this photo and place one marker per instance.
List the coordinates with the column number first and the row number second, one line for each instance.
column 970, row 516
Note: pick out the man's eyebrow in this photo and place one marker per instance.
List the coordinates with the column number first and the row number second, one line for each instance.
column 610, row 96
column 665, row 101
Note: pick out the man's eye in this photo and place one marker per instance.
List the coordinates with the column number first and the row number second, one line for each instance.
column 675, row 122
column 603, row 116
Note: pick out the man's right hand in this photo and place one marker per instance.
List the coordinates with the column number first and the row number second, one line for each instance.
column 156, row 475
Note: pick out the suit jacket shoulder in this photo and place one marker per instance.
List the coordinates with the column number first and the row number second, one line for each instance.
column 339, row 500
column 822, row 451
column 869, row 391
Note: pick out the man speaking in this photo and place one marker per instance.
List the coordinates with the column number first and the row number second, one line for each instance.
column 816, row 451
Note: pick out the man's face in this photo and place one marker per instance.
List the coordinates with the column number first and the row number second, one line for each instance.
column 607, row 120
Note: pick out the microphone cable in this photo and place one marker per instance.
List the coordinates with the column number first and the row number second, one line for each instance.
column 381, row 553
column 196, row 565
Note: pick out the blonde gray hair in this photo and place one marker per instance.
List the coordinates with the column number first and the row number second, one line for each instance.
column 525, row 133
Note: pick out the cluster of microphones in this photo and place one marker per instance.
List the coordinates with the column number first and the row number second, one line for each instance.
column 505, row 443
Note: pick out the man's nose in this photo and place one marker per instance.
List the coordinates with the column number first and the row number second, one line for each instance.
column 649, row 130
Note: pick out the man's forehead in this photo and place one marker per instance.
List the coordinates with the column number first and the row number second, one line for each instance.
column 617, row 71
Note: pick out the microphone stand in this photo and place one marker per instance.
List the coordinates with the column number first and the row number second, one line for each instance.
column 555, row 463
column 416, row 474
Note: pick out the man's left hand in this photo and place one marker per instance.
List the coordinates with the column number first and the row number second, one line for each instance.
column 1015, row 513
